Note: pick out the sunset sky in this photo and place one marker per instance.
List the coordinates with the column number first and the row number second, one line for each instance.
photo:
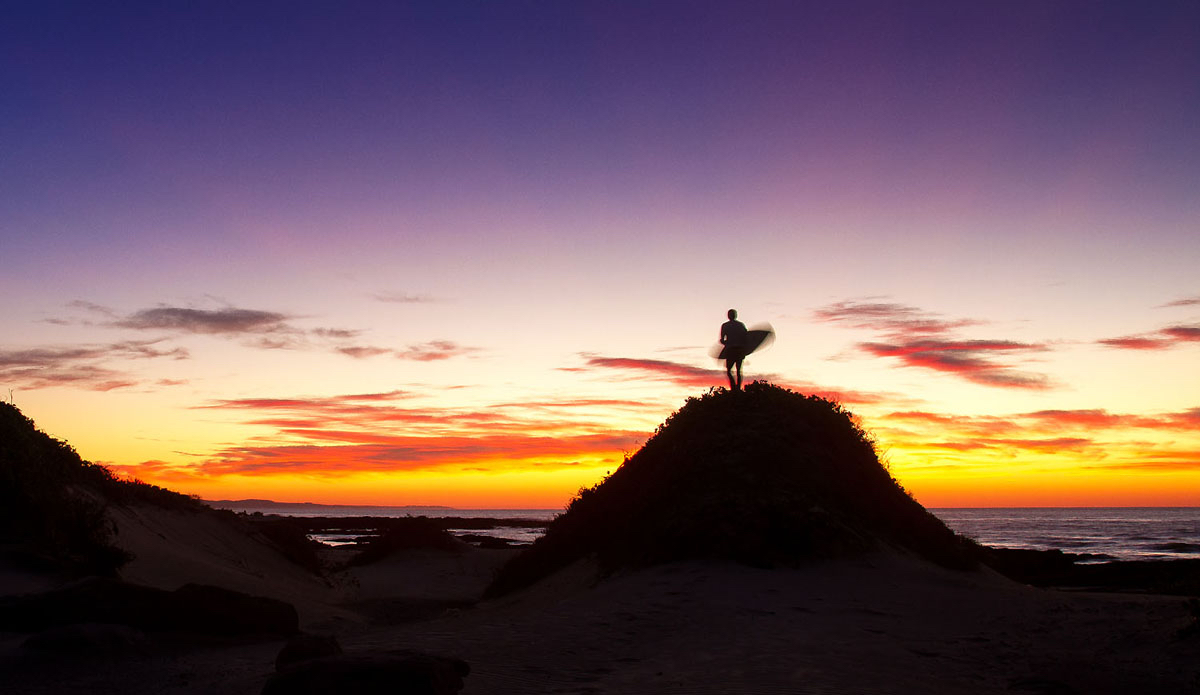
column 473, row 253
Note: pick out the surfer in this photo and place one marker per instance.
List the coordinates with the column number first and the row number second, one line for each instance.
column 733, row 337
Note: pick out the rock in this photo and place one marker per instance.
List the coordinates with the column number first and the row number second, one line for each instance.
column 306, row 647
column 390, row 673
column 193, row 608
column 91, row 600
column 86, row 639
column 216, row 611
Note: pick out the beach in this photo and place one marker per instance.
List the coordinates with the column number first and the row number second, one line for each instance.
column 883, row 622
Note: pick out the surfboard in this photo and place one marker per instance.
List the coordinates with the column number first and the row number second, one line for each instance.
column 760, row 336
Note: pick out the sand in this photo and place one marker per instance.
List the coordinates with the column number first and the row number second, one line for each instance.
column 884, row 623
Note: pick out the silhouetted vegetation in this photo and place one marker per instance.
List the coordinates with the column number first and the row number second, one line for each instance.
column 766, row 477
column 52, row 502
column 291, row 539
column 1054, row 568
column 409, row 533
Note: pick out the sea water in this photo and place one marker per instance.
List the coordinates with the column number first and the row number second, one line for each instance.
column 517, row 535
column 1108, row 533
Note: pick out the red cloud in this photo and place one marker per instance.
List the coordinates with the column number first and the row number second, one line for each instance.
column 675, row 372
column 969, row 359
column 411, row 453
column 1133, row 342
column 1045, row 420
column 338, row 435
column 924, row 340
column 1159, row 340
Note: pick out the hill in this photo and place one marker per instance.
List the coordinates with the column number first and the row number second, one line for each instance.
column 764, row 477
column 53, row 503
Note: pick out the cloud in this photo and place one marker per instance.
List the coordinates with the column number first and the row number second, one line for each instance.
column 1185, row 302
column 92, row 307
column 1093, row 420
column 413, row 453
column 362, row 351
column 1134, row 342
column 219, row 321
column 971, row 359
column 81, row 366
column 336, row 333
column 344, row 434
column 674, row 372
column 841, row 395
column 924, row 340
column 265, row 330
column 1162, row 339
column 889, row 318
column 434, row 350
column 1165, row 460
column 404, row 298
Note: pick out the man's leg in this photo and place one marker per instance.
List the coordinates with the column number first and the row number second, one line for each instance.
column 729, row 373
column 739, row 377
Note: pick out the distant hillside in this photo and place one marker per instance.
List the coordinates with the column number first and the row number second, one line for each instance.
column 765, row 476
column 270, row 506
column 52, row 502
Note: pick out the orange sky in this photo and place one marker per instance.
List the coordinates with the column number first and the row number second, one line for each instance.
column 474, row 255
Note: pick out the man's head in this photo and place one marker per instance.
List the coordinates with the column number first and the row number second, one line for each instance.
column 732, row 314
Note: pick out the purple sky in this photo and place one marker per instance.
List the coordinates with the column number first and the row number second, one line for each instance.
column 485, row 202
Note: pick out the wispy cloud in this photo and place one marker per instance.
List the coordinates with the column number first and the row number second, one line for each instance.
column 267, row 330
column 1184, row 302
column 634, row 368
column 434, row 350
column 404, row 298
column 411, row 453
column 229, row 320
column 362, row 351
column 1047, row 440
column 81, row 366
column 1045, row 422
column 339, row 435
column 925, row 340
column 431, row 351
column 1161, row 339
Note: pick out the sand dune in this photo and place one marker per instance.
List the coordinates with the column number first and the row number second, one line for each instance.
column 883, row 623
column 172, row 548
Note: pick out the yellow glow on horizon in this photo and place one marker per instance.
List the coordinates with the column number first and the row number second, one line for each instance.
column 516, row 489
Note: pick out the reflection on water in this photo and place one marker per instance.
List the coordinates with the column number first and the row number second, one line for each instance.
column 1121, row 533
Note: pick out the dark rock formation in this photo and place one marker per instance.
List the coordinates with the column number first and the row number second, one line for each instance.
column 306, row 647
column 193, row 608
column 87, row 639
column 390, row 673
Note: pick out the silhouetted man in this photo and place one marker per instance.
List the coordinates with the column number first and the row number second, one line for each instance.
column 733, row 337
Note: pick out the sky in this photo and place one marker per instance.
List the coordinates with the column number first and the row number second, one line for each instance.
column 472, row 253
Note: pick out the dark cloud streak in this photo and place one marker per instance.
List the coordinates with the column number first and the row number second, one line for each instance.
column 920, row 339
column 218, row 321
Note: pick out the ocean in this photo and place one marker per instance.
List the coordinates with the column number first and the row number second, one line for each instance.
column 1105, row 533
column 1108, row 533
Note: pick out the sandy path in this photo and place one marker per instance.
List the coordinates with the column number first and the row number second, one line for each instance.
column 882, row 624
column 887, row 625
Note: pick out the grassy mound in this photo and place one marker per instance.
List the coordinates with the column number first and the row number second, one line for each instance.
column 766, row 477
column 52, row 502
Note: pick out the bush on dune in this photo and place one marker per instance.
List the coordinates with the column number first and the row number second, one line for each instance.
column 765, row 477
column 53, row 503
column 408, row 533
